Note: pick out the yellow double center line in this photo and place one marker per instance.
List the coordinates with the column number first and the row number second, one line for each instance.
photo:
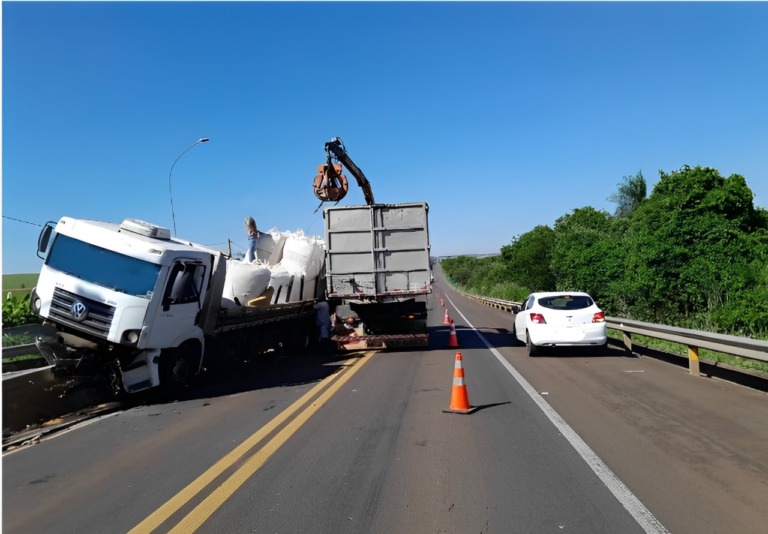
column 194, row 519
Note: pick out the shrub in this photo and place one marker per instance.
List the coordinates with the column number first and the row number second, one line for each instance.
column 16, row 312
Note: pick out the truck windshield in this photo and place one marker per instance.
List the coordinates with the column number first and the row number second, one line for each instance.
column 103, row 267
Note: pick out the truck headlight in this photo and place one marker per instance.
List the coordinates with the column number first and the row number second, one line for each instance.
column 131, row 337
column 35, row 302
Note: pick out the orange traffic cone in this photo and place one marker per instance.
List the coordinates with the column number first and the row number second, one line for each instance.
column 459, row 397
column 453, row 340
column 446, row 319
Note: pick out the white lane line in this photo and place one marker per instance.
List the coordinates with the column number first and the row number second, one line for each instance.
column 628, row 500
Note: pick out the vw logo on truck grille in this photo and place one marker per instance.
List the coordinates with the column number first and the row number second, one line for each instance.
column 78, row 310
column 67, row 307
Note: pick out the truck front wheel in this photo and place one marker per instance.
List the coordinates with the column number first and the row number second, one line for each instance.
column 178, row 367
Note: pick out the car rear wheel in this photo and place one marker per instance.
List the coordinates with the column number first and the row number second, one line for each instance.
column 533, row 350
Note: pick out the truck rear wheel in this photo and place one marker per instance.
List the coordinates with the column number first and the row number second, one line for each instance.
column 303, row 336
column 300, row 342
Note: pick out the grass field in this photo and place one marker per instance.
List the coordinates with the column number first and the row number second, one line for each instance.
column 18, row 284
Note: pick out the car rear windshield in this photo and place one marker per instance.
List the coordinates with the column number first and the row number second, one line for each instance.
column 566, row 302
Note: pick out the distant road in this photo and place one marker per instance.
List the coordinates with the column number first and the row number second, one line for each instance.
column 568, row 442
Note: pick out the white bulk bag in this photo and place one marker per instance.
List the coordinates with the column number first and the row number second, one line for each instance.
column 302, row 288
column 297, row 254
column 280, row 280
column 303, row 255
column 244, row 282
column 310, row 285
column 269, row 247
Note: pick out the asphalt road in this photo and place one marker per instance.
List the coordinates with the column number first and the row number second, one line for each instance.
column 567, row 442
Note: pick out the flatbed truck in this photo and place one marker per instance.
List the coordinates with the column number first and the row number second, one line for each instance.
column 145, row 309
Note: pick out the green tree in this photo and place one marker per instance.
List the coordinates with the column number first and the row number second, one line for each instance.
column 488, row 276
column 632, row 191
column 587, row 256
column 693, row 245
column 528, row 259
column 460, row 269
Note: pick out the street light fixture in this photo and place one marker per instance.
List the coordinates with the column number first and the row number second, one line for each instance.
column 170, row 192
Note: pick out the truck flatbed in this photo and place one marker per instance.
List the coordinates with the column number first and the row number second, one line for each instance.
column 230, row 319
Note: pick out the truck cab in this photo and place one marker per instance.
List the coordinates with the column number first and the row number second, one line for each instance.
column 123, row 293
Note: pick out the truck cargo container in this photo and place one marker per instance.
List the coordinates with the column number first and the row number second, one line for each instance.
column 377, row 265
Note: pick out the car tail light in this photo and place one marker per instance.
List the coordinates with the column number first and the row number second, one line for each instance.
column 599, row 317
column 538, row 318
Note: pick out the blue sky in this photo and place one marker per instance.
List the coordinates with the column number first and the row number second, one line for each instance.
column 502, row 116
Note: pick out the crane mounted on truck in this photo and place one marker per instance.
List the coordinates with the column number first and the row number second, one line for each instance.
column 330, row 184
column 377, row 258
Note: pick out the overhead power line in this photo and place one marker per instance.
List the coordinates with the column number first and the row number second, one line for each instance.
column 21, row 221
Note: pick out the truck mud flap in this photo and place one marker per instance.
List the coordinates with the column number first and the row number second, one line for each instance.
column 381, row 342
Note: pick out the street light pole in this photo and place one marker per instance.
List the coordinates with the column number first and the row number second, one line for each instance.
column 170, row 192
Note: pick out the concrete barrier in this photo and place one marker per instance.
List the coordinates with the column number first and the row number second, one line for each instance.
column 37, row 396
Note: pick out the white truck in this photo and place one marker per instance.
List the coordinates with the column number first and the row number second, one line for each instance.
column 130, row 302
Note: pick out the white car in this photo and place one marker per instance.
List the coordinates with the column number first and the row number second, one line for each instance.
column 559, row 319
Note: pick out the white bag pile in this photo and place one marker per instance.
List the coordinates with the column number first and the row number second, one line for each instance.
column 244, row 282
column 303, row 259
column 289, row 262
column 269, row 247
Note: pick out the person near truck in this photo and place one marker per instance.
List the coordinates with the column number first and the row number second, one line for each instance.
column 345, row 326
column 253, row 233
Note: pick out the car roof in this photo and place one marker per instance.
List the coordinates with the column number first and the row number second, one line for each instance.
column 557, row 293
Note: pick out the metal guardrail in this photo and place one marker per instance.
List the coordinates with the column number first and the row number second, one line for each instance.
column 753, row 349
column 30, row 331
column 505, row 305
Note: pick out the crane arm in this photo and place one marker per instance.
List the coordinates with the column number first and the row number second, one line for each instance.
column 330, row 184
column 336, row 147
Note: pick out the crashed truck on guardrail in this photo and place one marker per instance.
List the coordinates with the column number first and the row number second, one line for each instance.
column 132, row 303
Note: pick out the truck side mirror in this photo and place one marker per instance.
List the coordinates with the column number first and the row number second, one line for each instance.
column 44, row 240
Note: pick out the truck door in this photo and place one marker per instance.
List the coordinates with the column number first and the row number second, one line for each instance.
column 180, row 307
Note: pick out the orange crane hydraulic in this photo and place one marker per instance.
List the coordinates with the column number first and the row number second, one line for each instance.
column 330, row 184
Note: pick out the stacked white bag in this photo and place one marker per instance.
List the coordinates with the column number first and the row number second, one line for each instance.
column 244, row 281
column 288, row 262
column 269, row 247
column 295, row 277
